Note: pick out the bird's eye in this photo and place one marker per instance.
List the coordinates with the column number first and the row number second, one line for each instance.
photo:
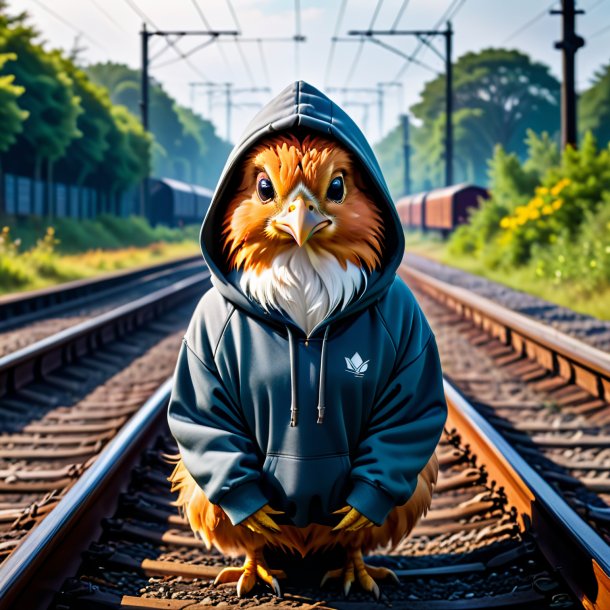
column 336, row 190
column 264, row 188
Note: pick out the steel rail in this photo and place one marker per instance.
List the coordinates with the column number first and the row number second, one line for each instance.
column 39, row 359
column 17, row 308
column 31, row 575
column 570, row 545
column 559, row 353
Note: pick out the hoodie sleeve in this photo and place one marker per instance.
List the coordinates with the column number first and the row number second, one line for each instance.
column 407, row 418
column 204, row 418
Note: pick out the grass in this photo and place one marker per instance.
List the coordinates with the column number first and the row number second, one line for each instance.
column 570, row 295
column 82, row 249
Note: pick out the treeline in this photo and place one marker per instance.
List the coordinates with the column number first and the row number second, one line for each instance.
column 59, row 123
column 499, row 95
column 185, row 145
column 56, row 124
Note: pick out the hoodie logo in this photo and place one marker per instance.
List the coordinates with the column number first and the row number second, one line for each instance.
column 356, row 365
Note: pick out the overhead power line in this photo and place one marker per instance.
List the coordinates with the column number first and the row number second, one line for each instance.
column 188, row 53
column 206, row 23
column 401, row 10
column 136, row 9
column 109, row 16
column 600, row 32
column 333, row 43
column 73, row 27
column 450, row 13
column 356, row 59
column 529, row 23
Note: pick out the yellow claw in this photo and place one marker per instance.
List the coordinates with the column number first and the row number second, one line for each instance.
column 266, row 521
column 352, row 516
column 245, row 577
column 362, row 522
column 260, row 521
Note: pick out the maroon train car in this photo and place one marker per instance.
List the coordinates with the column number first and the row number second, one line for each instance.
column 448, row 207
column 411, row 210
column 403, row 207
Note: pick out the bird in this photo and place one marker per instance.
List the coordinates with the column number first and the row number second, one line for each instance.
column 302, row 236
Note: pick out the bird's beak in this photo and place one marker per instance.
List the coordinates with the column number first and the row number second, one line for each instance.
column 301, row 219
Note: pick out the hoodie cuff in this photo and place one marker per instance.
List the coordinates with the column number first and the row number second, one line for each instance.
column 371, row 501
column 243, row 501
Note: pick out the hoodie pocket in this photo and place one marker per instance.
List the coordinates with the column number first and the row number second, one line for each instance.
column 307, row 489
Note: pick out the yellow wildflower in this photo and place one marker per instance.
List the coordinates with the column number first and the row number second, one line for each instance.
column 560, row 186
column 547, row 209
column 557, row 204
column 505, row 223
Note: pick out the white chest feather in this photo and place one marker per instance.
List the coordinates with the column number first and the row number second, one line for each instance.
column 304, row 286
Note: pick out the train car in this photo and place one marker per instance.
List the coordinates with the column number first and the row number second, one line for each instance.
column 440, row 209
column 176, row 203
column 410, row 210
column 418, row 211
column 448, row 207
column 403, row 207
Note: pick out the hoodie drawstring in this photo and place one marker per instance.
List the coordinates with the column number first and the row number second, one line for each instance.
column 322, row 383
column 294, row 406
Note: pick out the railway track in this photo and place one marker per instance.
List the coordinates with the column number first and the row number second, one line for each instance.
column 63, row 398
column 545, row 391
column 497, row 537
column 519, row 518
column 586, row 328
column 29, row 317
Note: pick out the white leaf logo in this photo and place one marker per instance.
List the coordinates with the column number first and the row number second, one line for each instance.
column 356, row 365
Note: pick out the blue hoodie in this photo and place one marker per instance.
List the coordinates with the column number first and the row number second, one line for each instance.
column 348, row 415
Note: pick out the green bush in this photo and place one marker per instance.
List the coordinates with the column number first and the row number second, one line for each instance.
column 583, row 259
column 106, row 232
column 550, row 215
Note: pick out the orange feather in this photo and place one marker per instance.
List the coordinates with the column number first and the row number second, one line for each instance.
column 356, row 232
column 211, row 523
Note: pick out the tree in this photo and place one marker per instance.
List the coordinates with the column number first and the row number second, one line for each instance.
column 499, row 94
column 185, row 146
column 127, row 158
column 11, row 115
column 48, row 97
column 84, row 155
column 594, row 107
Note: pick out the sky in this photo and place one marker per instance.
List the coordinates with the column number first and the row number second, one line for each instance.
column 108, row 31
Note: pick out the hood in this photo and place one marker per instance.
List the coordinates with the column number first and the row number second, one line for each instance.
column 303, row 108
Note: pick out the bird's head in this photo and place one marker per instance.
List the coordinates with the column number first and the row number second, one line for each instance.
column 301, row 193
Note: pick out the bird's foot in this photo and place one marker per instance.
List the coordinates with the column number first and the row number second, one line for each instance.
column 355, row 569
column 254, row 567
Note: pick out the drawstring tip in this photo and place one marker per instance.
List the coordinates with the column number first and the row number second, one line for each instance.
column 320, row 415
column 293, row 417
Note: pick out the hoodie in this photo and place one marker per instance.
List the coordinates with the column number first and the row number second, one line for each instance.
column 350, row 414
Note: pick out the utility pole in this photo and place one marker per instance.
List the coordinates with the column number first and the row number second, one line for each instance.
column 406, row 152
column 144, row 113
column 448, row 106
column 378, row 91
column 145, row 35
column 365, row 114
column 228, row 92
column 570, row 43
column 422, row 35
